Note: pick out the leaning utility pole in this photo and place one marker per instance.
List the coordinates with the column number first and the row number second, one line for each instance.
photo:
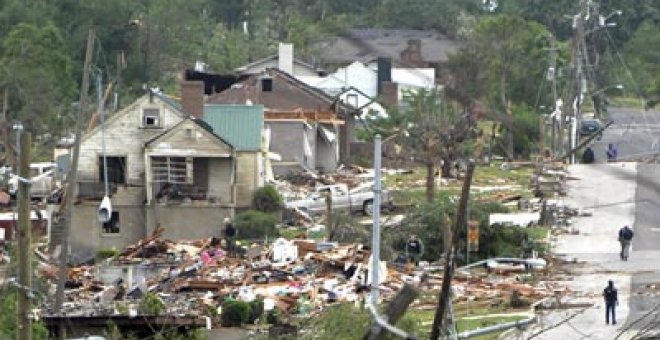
column 573, row 102
column 24, row 242
column 552, row 76
column 71, row 183
column 443, row 299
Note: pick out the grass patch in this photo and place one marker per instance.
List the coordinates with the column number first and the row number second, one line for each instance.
column 424, row 318
column 631, row 102
column 463, row 325
column 409, row 189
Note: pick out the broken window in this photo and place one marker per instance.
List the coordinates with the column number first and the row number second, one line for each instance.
column 112, row 226
column 116, row 169
column 151, row 118
column 172, row 170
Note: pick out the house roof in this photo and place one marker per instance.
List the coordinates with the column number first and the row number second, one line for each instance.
column 256, row 63
column 366, row 44
column 240, row 125
column 202, row 124
column 173, row 104
column 288, row 94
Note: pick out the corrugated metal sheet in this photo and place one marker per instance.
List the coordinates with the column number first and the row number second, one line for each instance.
column 240, row 125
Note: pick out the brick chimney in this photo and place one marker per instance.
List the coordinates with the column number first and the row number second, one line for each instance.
column 412, row 55
column 390, row 94
column 192, row 97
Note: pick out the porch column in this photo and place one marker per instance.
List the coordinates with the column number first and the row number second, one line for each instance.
column 148, row 178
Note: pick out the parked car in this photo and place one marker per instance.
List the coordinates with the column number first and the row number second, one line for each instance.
column 360, row 198
column 589, row 126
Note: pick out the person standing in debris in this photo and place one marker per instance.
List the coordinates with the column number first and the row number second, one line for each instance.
column 611, row 301
column 625, row 238
column 230, row 236
column 611, row 153
column 414, row 249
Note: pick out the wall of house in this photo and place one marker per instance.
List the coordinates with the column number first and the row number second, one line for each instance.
column 287, row 140
column 247, row 177
column 187, row 222
column 87, row 235
column 327, row 153
column 124, row 137
column 220, row 179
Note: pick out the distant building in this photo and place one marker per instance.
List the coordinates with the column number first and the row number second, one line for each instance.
column 406, row 48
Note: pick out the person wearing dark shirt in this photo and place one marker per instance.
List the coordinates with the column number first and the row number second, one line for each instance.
column 611, row 301
column 414, row 249
column 588, row 156
column 230, row 236
column 625, row 238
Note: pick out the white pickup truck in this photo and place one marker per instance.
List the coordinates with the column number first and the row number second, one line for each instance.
column 360, row 198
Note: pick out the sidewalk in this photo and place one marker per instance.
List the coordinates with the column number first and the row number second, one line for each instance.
column 608, row 191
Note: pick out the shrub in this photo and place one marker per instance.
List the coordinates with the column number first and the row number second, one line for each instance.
column 234, row 313
column 256, row 310
column 274, row 317
column 267, row 199
column 151, row 304
column 254, row 224
column 106, row 253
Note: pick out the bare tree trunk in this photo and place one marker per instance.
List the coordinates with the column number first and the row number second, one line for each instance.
column 430, row 173
column 430, row 181
column 509, row 125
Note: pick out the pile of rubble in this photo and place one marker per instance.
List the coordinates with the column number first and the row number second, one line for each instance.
column 293, row 276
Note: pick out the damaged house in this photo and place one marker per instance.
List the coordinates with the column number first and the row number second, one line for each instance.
column 308, row 128
column 163, row 167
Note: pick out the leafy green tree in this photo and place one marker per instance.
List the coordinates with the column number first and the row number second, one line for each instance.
column 36, row 73
column 430, row 129
column 510, row 49
column 9, row 322
column 644, row 60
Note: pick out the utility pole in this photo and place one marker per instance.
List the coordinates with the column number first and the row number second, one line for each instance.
column 575, row 88
column 552, row 76
column 443, row 299
column 71, row 185
column 375, row 231
column 24, row 242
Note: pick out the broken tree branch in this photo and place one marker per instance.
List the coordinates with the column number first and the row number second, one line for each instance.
column 394, row 311
column 443, row 299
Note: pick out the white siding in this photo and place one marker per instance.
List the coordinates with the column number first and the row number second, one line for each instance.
column 124, row 137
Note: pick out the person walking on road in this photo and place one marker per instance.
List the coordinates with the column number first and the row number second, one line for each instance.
column 611, row 153
column 588, row 156
column 625, row 238
column 611, row 301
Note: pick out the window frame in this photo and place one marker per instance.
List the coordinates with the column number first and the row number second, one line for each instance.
column 151, row 112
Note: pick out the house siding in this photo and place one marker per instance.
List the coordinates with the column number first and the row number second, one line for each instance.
column 220, row 177
column 124, row 138
column 87, row 236
column 247, row 177
column 288, row 141
column 187, row 222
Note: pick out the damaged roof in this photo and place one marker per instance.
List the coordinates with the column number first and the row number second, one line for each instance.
column 286, row 93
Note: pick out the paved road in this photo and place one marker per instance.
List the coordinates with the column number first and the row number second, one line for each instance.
column 635, row 132
column 617, row 194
